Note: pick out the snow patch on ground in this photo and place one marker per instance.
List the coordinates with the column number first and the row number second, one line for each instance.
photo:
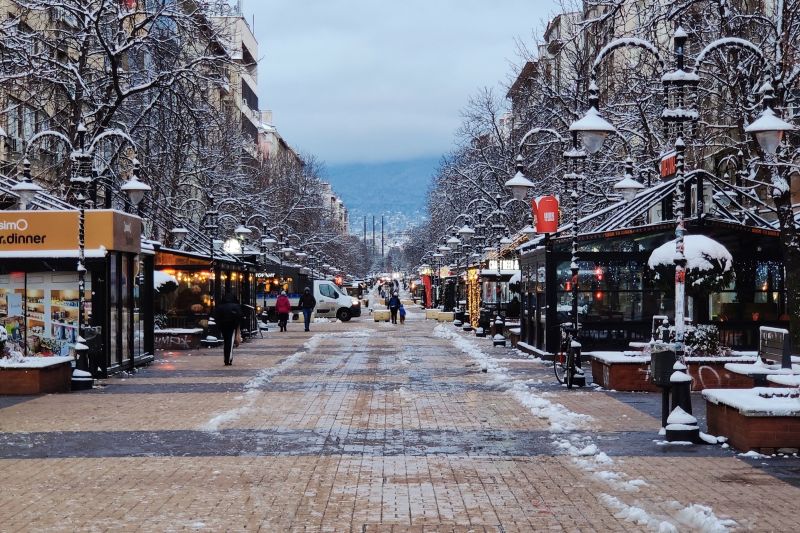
column 260, row 379
column 585, row 453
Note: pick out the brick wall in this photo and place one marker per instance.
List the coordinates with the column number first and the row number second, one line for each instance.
column 761, row 433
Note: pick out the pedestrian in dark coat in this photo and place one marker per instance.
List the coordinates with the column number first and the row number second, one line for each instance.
column 394, row 306
column 227, row 316
column 283, row 307
column 307, row 304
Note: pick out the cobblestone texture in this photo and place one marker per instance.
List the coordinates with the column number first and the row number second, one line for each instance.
column 363, row 427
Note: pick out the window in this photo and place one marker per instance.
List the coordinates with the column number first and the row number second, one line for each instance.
column 328, row 291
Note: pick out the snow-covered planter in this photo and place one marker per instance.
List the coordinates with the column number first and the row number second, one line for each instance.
column 709, row 265
column 701, row 340
column 764, row 419
column 35, row 375
column 178, row 338
column 498, row 340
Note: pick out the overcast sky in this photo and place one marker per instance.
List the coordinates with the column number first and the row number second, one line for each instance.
column 382, row 80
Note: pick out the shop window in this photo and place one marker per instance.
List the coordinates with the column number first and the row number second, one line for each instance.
column 41, row 319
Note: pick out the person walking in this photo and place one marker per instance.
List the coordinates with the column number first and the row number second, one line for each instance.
column 227, row 316
column 402, row 313
column 307, row 304
column 283, row 307
column 394, row 305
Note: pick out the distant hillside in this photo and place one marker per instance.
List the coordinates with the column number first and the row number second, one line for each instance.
column 396, row 189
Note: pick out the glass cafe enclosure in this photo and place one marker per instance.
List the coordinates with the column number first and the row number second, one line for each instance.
column 618, row 294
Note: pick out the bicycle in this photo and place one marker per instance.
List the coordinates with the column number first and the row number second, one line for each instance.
column 567, row 362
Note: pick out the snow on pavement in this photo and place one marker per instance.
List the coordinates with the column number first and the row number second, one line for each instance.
column 259, row 380
column 585, row 453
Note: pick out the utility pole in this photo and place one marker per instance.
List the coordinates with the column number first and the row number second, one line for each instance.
column 365, row 230
column 373, row 235
column 382, row 256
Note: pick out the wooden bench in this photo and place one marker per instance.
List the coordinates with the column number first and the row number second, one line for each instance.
column 774, row 344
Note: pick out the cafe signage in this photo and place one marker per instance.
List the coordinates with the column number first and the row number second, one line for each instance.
column 41, row 231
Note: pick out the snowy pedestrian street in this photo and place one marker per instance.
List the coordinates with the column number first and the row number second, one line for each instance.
column 368, row 426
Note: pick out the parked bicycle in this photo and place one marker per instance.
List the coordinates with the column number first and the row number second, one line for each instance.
column 567, row 362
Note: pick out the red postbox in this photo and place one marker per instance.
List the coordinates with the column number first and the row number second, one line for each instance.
column 545, row 209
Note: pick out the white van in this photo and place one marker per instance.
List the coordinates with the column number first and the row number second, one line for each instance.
column 333, row 302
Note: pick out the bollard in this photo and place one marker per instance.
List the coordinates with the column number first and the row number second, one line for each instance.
column 681, row 425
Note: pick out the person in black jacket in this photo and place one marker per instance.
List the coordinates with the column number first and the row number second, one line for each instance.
column 227, row 316
column 307, row 304
column 394, row 306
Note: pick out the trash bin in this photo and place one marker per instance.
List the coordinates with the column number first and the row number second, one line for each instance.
column 661, row 361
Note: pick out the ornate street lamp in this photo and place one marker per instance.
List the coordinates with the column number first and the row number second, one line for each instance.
column 628, row 187
column 25, row 188
column 519, row 184
column 768, row 128
column 592, row 128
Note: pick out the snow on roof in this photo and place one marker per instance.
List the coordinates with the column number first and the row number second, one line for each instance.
column 758, row 401
column 699, row 251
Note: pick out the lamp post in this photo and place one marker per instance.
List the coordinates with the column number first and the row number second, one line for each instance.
column 593, row 130
column 211, row 225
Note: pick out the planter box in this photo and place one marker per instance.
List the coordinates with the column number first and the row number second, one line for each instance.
column 178, row 339
column 754, row 423
column 445, row 317
column 625, row 373
column 710, row 373
column 431, row 314
column 53, row 374
column 629, row 372
column 381, row 315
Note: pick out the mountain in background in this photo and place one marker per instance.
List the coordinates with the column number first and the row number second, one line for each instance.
column 395, row 189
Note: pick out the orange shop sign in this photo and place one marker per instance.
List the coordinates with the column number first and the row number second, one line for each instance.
column 38, row 231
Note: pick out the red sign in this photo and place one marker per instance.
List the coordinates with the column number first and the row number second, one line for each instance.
column 668, row 165
column 545, row 210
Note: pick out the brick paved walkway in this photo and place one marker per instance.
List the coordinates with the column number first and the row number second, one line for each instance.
column 368, row 427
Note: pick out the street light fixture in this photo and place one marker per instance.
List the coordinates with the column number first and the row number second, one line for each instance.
column 466, row 232
column 628, row 187
column 768, row 128
column 134, row 188
column 25, row 188
column 519, row 184
column 179, row 233
column 593, row 128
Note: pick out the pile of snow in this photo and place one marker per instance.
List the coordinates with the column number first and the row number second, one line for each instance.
column 161, row 278
column 701, row 252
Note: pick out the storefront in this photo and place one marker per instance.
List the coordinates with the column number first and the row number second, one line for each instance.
column 39, row 300
column 618, row 294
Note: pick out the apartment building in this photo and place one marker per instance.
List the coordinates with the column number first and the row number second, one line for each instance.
column 242, row 75
column 338, row 213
